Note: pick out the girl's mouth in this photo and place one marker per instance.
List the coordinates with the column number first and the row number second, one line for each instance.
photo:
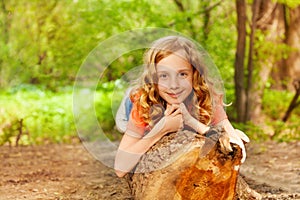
column 174, row 95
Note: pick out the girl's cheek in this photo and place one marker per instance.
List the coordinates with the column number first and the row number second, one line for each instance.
column 163, row 84
column 185, row 83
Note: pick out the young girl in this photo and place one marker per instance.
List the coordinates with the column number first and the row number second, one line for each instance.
column 173, row 93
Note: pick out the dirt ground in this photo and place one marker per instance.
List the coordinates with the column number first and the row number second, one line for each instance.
column 70, row 172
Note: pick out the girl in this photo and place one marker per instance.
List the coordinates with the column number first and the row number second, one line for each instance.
column 173, row 93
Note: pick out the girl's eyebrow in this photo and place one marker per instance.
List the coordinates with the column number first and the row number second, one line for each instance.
column 184, row 70
column 163, row 71
column 178, row 70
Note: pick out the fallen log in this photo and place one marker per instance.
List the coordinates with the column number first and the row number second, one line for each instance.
column 186, row 165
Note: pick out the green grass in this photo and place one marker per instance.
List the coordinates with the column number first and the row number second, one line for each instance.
column 45, row 116
column 48, row 116
column 275, row 104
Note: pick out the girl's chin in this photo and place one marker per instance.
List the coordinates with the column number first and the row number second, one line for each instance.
column 174, row 101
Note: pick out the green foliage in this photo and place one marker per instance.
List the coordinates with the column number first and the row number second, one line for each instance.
column 221, row 42
column 254, row 132
column 44, row 115
column 107, row 101
column 289, row 3
column 48, row 117
column 266, row 48
column 43, row 44
column 58, row 35
column 275, row 104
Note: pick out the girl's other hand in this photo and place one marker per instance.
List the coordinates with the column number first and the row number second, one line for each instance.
column 233, row 136
column 190, row 121
column 173, row 120
column 172, row 110
column 187, row 117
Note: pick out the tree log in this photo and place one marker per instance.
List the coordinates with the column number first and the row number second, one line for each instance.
column 186, row 165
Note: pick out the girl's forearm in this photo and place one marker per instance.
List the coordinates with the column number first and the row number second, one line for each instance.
column 125, row 162
column 198, row 126
column 126, row 159
column 128, row 156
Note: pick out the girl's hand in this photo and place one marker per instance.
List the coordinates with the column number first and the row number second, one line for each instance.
column 190, row 121
column 187, row 117
column 171, row 122
column 173, row 118
column 172, row 110
column 233, row 136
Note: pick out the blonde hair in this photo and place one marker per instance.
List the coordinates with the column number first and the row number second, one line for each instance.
column 151, row 105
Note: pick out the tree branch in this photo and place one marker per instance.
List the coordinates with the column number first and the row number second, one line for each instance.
column 294, row 102
column 179, row 5
column 208, row 9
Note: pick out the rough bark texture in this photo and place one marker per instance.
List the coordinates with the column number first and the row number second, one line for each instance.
column 185, row 165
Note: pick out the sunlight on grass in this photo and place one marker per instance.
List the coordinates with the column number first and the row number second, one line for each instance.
column 32, row 115
column 38, row 116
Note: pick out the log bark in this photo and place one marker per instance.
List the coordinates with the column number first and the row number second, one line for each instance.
column 185, row 165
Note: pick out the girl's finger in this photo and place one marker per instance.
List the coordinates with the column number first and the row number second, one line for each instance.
column 181, row 123
column 167, row 111
column 176, row 112
column 225, row 143
column 242, row 135
column 170, row 109
column 183, row 109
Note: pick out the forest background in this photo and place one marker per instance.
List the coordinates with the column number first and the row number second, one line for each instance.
column 255, row 44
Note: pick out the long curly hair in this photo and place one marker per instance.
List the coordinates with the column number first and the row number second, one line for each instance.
column 150, row 106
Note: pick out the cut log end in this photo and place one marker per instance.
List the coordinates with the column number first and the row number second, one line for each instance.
column 175, row 168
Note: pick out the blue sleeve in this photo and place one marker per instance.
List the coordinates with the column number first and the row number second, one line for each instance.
column 128, row 107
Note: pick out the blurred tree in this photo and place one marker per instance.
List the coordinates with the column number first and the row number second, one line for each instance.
column 45, row 42
column 5, row 20
column 266, row 50
column 240, row 91
column 288, row 68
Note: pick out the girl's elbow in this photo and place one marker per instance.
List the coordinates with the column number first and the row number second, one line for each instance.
column 119, row 169
column 120, row 174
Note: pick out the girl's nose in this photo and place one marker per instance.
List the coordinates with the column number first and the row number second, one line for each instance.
column 174, row 83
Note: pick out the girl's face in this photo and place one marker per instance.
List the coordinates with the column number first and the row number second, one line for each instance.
column 175, row 78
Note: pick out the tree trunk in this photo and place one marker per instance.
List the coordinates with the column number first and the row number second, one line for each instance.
column 271, row 24
column 292, row 63
column 240, row 92
column 249, row 99
column 185, row 165
column 269, row 54
column 288, row 69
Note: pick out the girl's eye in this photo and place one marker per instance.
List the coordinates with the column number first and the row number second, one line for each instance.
column 163, row 76
column 183, row 75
